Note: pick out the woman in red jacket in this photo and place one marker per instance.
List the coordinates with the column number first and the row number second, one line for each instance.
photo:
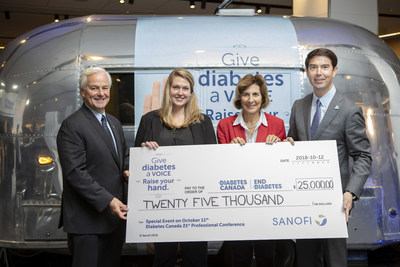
column 251, row 125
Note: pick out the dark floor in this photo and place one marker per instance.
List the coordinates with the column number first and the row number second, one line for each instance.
column 384, row 257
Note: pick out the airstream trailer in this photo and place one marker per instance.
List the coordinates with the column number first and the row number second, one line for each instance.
column 39, row 88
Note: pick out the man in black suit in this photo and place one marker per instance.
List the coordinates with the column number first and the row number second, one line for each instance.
column 93, row 158
column 326, row 114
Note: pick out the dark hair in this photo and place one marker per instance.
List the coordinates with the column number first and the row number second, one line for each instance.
column 324, row 52
column 245, row 83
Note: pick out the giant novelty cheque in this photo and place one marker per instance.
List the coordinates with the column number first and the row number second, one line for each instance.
column 233, row 192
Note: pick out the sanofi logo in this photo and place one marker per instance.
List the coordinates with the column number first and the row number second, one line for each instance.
column 299, row 220
column 323, row 220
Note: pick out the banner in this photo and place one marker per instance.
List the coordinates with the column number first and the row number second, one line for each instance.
column 218, row 57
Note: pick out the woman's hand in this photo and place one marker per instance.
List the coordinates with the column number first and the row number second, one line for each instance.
column 272, row 139
column 150, row 144
column 289, row 139
column 238, row 140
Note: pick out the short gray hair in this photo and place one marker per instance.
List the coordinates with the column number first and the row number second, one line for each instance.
column 90, row 71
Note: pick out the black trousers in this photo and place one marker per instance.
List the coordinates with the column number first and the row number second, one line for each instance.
column 330, row 252
column 194, row 254
column 242, row 253
column 97, row 250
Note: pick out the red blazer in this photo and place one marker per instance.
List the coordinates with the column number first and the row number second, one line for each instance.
column 226, row 131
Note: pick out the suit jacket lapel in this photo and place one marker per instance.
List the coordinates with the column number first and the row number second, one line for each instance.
column 118, row 142
column 306, row 114
column 239, row 131
column 263, row 131
column 331, row 112
column 99, row 129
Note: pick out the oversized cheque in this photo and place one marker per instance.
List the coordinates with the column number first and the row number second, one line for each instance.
column 233, row 192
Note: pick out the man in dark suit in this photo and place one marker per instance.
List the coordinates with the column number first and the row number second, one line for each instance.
column 326, row 114
column 93, row 158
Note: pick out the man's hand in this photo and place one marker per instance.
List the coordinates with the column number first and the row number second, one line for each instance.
column 289, row 139
column 347, row 203
column 118, row 208
column 126, row 175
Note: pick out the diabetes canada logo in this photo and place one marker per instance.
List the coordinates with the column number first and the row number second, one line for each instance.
column 322, row 220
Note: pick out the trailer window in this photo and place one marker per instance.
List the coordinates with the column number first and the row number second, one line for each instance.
column 121, row 98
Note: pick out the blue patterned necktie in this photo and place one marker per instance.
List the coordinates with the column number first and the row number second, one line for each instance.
column 316, row 119
column 105, row 127
column 104, row 124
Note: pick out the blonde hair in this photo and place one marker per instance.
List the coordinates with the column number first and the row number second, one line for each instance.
column 192, row 110
column 245, row 83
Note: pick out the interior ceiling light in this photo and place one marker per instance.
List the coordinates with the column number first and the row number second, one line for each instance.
column 389, row 35
column 192, row 5
column 56, row 18
column 259, row 10
column 121, row 1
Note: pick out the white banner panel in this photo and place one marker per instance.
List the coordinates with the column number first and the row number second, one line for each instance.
column 233, row 192
column 188, row 42
column 218, row 51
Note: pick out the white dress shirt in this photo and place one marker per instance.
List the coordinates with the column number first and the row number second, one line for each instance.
column 249, row 137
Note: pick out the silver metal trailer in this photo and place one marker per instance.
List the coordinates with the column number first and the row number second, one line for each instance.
column 39, row 88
